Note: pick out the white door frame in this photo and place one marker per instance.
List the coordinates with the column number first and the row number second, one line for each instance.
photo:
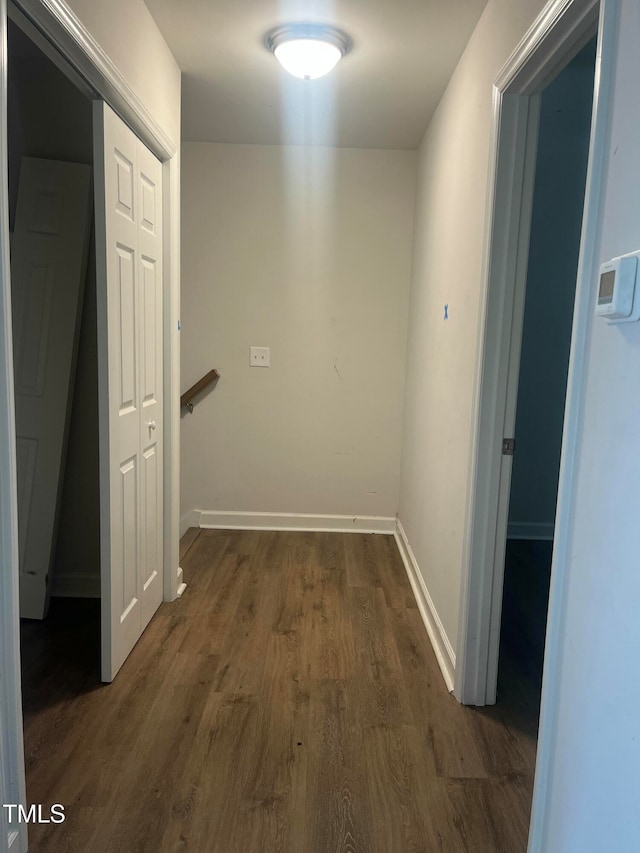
column 561, row 30
column 73, row 41
column 12, row 787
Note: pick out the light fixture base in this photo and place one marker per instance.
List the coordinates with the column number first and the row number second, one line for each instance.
column 284, row 39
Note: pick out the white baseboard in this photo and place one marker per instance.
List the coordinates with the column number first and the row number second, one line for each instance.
column 443, row 649
column 530, row 530
column 75, row 586
column 189, row 519
column 292, row 521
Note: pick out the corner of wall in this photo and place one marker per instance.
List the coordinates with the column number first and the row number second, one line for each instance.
column 442, row 647
column 189, row 519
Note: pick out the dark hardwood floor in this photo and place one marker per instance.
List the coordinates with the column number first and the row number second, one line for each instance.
column 290, row 701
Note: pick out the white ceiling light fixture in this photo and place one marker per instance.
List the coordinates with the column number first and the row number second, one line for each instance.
column 308, row 51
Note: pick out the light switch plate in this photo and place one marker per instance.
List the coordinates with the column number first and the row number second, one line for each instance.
column 260, row 357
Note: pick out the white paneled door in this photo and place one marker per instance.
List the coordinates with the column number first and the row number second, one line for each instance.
column 48, row 270
column 128, row 197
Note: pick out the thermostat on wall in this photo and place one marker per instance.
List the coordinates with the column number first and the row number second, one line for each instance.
column 616, row 291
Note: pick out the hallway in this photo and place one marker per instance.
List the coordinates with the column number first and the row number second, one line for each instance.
column 290, row 701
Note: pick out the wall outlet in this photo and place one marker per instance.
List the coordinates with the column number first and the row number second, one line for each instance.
column 260, row 357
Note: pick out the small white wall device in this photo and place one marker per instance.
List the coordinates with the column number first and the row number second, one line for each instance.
column 616, row 291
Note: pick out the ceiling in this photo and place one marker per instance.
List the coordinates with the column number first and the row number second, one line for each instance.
column 381, row 95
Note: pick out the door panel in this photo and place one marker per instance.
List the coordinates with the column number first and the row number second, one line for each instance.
column 48, row 272
column 150, row 478
column 126, row 333
column 128, row 239
column 150, row 298
column 151, row 374
column 34, row 322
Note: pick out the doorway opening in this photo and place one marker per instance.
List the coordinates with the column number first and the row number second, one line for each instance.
column 565, row 30
column 552, row 267
column 50, row 144
column 89, row 454
column 545, row 51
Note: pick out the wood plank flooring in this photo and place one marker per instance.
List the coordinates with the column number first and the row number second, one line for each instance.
column 290, row 701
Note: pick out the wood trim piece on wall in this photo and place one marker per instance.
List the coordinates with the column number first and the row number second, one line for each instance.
column 523, row 167
column 173, row 585
column 442, row 647
column 556, row 36
column 219, row 520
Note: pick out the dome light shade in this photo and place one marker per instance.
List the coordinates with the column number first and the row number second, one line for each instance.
column 307, row 58
column 308, row 51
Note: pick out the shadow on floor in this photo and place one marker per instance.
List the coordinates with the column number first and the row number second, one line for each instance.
column 70, row 633
column 524, row 619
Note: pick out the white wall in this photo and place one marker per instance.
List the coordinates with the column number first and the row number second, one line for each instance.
column 127, row 33
column 561, row 168
column 308, row 251
column 592, row 798
column 447, row 269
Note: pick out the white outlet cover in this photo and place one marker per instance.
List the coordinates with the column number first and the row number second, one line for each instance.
column 260, row 357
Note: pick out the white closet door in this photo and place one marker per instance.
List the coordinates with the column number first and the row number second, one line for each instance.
column 48, row 270
column 128, row 194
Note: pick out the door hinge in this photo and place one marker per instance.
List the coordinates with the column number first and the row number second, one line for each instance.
column 508, row 446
